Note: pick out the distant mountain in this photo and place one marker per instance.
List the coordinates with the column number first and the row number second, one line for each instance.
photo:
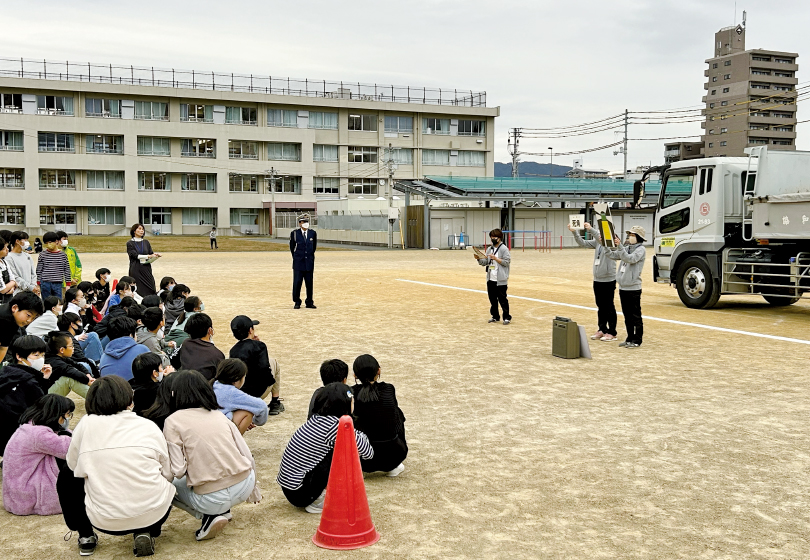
column 530, row 169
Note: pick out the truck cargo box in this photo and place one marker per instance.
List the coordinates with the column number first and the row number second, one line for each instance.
column 780, row 194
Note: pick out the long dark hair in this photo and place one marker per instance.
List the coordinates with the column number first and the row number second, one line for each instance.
column 365, row 369
column 162, row 406
column 190, row 389
column 47, row 410
column 230, row 371
column 189, row 304
column 334, row 399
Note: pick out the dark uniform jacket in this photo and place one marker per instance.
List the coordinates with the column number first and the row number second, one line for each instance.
column 303, row 250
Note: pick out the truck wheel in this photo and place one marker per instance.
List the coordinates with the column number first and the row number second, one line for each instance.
column 779, row 301
column 696, row 284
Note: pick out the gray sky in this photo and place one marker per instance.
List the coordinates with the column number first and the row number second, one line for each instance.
column 545, row 63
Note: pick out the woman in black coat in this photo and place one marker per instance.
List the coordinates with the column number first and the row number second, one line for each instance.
column 139, row 250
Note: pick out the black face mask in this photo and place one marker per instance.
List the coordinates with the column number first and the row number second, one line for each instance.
column 494, row 240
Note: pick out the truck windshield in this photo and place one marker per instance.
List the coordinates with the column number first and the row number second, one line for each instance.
column 677, row 188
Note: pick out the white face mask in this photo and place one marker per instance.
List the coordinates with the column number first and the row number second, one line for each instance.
column 26, row 244
column 305, row 225
column 58, row 310
column 82, row 302
column 38, row 363
column 106, row 277
column 170, row 287
column 64, row 243
column 160, row 332
column 66, row 424
column 160, row 376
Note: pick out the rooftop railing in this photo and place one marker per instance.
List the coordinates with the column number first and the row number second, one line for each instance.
column 251, row 83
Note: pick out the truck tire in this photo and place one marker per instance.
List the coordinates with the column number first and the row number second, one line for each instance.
column 780, row 301
column 695, row 284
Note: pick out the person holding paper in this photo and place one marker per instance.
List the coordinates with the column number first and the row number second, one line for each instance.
column 496, row 260
column 632, row 255
column 141, row 257
column 604, row 282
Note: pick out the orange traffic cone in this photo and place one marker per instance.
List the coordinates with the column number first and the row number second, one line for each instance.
column 346, row 520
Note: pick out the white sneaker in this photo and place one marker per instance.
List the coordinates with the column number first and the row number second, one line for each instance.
column 396, row 472
column 317, row 505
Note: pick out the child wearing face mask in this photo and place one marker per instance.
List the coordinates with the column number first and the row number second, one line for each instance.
column 32, row 455
column 21, row 264
column 133, row 286
column 8, row 282
column 46, row 322
column 22, row 382
column 68, row 375
column 122, row 290
column 72, row 256
column 53, row 268
column 148, row 372
column 198, row 352
column 167, row 284
column 102, row 287
column 628, row 278
column 497, row 261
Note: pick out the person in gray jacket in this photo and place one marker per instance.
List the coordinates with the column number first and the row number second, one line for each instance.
column 604, row 283
column 631, row 255
column 497, row 267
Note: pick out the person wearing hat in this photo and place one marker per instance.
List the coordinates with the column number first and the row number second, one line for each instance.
column 263, row 371
column 604, row 283
column 628, row 277
column 303, row 243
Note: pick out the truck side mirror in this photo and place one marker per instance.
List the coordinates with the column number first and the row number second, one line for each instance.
column 638, row 193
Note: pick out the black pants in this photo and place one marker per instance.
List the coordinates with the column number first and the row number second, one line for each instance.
column 71, row 497
column 387, row 455
column 214, row 243
column 631, row 307
column 606, row 310
column 299, row 277
column 314, row 483
column 497, row 294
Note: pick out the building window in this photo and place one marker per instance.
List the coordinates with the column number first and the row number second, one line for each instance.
column 54, row 105
column 783, row 74
column 286, row 184
column 151, row 111
column 107, row 108
column 723, row 130
column 11, row 178
column 323, row 120
column 760, row 86
column 198, row 147
column 362, row 186
column 726, row 76
column 57, row 179
column 153, row 146
column 435, row 157
column 761, row 141
column 150, row 181
column 783, row 88
column 727, row 63
column 756, row 72
column 711, row 144
column 725, row 90
column 282, row 117
column 711, row 105
column 204, row 182
column 10, row 103
column 57, row 216
column 724, row 143
column 714, row 65
column 723, row 117
column 55, row 142
column 711, row 131
column 11, row 141
column 283, row 151
column 324, row 152
column 435, row 126
column 783, row 142
column 724, row 103
column 784, row 60
column 367, row 123
column 362, row 154
column 199, row 216
column 243, row 183
column 155, row 216
column 468, row 158
column 402, row 156
column 760, row 127
column 781, row 115
column 471, row 128
column 760, row 114
column 399, row 125
column 105, row 216
column 714, row 92
column 714, row 78
column 196, row 113
column 105, row 180
column 783, row 128
column 244, row 216
column 238, row 149
column 761, row 58
column 240, row 115
column 12, row 215
column 103, row 144
column 326, row 185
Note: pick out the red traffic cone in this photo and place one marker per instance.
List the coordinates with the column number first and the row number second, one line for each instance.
column 346, row 520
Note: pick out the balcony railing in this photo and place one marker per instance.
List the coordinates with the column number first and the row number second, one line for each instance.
column 116, row 151
column 245, row 123
column 10, row 148
column 196, row 119
column 236, row 155
column 57, row 149
column 10, row 109
column 105, row 115
column 254, row 83
column 198, row 154
column 59, row 186
column 12, row 184
column 59, row 112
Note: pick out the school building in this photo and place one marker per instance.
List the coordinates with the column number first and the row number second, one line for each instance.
column 92, row 149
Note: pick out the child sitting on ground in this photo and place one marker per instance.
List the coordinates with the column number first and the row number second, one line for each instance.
column 29, row 461
column 265, row 374
column 175, row 303
column 147, row 374
column 67, row 374
column 307, row 459
column 48, row 321
column 332, row 371
column 245, row 410
column 150, row 337
column 378, row 415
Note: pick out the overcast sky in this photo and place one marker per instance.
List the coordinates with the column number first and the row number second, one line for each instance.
column 545, row 63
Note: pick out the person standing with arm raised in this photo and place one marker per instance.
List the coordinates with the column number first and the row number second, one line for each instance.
column 139, row 251
column 604, row 283
column 303, row 243
column 632, row 255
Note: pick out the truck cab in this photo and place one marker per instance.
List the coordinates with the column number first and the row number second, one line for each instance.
column 708, row 240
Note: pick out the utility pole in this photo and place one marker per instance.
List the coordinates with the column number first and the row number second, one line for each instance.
column 272, row 173
column 515, row 135
column 624, row 173
column 551, row 165
column 391, row 167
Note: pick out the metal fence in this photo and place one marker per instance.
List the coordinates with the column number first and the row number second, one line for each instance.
column 290, row 220
column 218, row 81
column 357, row 222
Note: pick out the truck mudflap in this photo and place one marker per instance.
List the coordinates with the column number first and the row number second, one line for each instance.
column 660, row 276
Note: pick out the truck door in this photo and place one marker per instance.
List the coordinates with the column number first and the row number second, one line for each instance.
column 674, row 219
column 707, row 205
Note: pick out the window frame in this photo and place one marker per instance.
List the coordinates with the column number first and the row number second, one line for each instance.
column 63, row 138
column 367, row 185
column 321, row 147
column 332, row 189
column 187, row 144
column 210, row 180
column 236, row 149
column 167, row 181
column 142, row 141
column 6, row 175
column 106, row 177
column 116, row 211
column 363, row 154
column 290, row 151
column 116, row 141
column 472, row 127
column 64, row 179
column 362, row 122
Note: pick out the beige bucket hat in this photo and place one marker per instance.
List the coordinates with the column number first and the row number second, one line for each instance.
column 639, row 232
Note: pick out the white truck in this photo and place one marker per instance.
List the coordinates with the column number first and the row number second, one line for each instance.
column 735, row 226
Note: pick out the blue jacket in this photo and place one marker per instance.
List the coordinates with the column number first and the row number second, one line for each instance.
column 231, row 399
column 118, row 356
column 303, row 250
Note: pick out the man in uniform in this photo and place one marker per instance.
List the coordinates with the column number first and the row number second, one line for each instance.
column 303, row 242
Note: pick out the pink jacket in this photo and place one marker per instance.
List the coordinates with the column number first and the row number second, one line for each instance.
column 30, row 470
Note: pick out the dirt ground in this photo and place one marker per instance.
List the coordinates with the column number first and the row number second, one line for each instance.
column 693, row 446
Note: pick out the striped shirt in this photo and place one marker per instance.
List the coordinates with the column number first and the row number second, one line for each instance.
column 309, row 445
column 53, row 266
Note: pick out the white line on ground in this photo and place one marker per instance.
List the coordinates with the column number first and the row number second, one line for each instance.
column 646, row 317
